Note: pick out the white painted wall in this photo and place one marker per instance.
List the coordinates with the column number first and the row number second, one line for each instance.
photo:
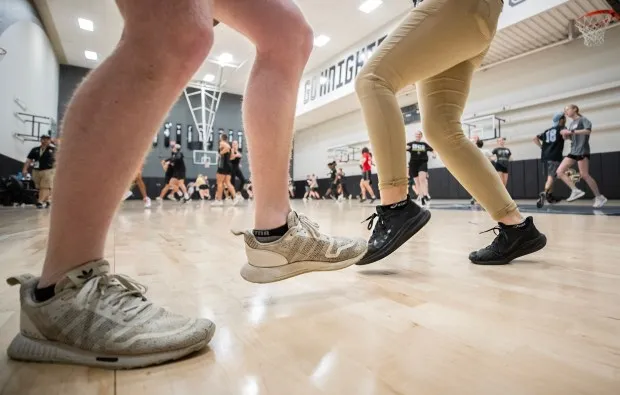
column 526, row 92
column 28, row 72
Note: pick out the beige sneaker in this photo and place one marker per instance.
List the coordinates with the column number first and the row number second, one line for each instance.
column 302, row 249
column 100, row 319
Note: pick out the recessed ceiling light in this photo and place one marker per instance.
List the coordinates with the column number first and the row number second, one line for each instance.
column 86, row 24
column 370, row 5
column 90, row 55
column 225, row 58
column 321, row 40
column 209, row 78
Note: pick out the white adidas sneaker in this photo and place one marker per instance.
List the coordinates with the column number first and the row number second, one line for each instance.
column 103, row 320
column 302, row 249
column 575, row 194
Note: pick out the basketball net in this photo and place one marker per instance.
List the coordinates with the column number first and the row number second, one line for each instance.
column 593, row 26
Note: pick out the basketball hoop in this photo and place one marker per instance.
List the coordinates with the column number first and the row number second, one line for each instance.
column 594, row 24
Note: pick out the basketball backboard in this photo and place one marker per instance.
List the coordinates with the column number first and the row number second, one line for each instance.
column 205, row 158
column 487, row 128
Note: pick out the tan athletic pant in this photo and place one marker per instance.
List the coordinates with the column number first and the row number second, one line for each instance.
column 438, row 46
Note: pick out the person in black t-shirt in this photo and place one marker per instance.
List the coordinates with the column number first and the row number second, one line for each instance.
column 175, row 170
column 43, row 160
column 551, row 143
column 235, row 161
column 418, row 166
column 333, row 178
column 224, row 172
column 502, row 159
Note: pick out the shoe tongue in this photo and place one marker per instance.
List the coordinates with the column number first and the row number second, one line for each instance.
column 82, row 274
column 292, row 219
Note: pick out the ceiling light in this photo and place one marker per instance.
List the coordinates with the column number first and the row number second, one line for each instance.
column 86, row 24
column 370, row 5
column 90, row 55
column 321, row 40
column 225, row 58
column 209, row 78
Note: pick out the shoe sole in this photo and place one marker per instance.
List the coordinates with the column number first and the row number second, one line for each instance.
column 25, row 349
column 401, row 238
column 264, row 275
column 529, row 248
column 580, row 195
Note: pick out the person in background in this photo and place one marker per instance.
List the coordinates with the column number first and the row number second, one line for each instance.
column 202, row 183
column 235, row 162
column 579, row 132
column 552, row 146
column 418, row 166
column 502, row 159
column 342, row 187
column 177, row 161
column 314, row 188
column 307, row 187
column 43, row 160
column 291, row 188
column 333, row 182
column 366, row 181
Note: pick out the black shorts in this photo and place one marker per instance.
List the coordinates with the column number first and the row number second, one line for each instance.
column 500, row 168
column 551, row 168
column 315, row 189
column 179, row 175
column 367, row 175
column 416, row 167
column 225, row 171
column 578, row 158
column 203, row 187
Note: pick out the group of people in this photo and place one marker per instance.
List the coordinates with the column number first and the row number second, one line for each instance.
column 551, row 142
column 76, row 280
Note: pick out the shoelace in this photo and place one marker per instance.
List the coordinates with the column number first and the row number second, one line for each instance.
column 118, row 291
column 501, row 236
column 309, row 226
column 380, row 223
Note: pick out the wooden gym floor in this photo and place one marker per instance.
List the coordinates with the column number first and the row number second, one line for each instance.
column 424, row 321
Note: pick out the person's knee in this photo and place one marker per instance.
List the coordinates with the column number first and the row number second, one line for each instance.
column 370, row 80
column 290, row 41
column 176, row 35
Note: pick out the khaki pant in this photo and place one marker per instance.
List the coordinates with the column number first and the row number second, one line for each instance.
column 43, row 179
column 437, row 46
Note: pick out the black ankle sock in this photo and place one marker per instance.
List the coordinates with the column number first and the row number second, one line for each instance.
column 43, row 294
column 269, row 235
column 397, row 206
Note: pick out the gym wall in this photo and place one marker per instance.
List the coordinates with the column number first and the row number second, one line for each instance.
column 525, row 92
column 227, row 117
column 28, row 73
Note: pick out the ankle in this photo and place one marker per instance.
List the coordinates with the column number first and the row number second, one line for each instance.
column 392, row 195
column 270, row 219
column 513, row 218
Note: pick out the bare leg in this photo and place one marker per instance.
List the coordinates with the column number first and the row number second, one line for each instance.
column 231, row 188
column 219, row 192
column 584, row 170
column 549, row 184
column 283, row 42
column 126, row 98
column 566, row 164
column 44, row 194
column 140, row 183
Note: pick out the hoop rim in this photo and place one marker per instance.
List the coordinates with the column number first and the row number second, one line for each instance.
column 601, row 12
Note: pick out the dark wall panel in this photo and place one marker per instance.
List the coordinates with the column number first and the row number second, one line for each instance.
column 531, row 177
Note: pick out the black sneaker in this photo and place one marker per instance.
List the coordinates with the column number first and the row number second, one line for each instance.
column 393, row 229
column 39, row 205
column 511, row 242
column 542, row 197
column 372, row 200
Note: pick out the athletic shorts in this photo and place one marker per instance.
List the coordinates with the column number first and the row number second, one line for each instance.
column 315, row 189
column 225, row 171
column 43, row 179
column 578, row 158
column 203, row 187
column 179, row 175
column 500, row 168
column 415, row 167
column 551, row 168
column 367, row 175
